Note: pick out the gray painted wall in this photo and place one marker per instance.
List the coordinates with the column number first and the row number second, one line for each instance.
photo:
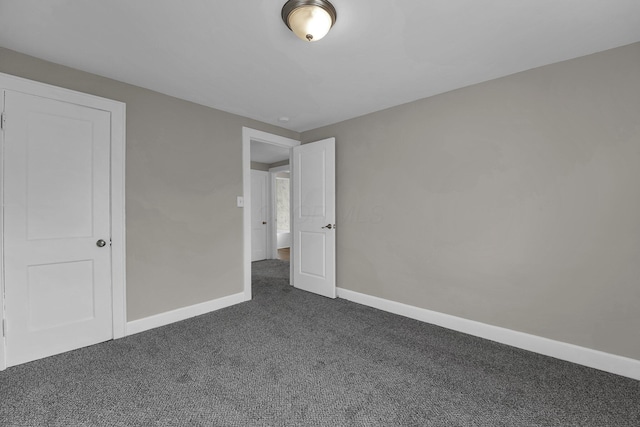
column 183, row 173
column 265, row 167
column 514, row 202
column 277, row 164
column 260, row 166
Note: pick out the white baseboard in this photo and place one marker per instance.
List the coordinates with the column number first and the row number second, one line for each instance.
column 173, row 316
column 560, row 350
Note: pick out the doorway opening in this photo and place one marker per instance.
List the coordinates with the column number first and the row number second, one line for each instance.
column 281, row 210
column 267, row 233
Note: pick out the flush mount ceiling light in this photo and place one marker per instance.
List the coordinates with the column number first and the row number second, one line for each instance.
column 310, row 20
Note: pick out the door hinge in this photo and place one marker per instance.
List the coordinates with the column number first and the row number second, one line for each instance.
column 4, row 327
column 3, row 120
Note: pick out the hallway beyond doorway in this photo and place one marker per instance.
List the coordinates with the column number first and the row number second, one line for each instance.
column 284, row 254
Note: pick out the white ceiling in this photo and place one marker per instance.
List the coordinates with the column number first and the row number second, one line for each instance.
column 268, row 153
column 238, row 56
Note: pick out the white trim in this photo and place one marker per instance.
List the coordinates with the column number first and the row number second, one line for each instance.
column 118, row 144
column 560, row 350
column 118, row 223
column 283, row 168
column 249, row 135
column 166, row 318
column 273, row 250
column 3, row 360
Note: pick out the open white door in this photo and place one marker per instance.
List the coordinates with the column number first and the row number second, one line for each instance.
column 314, row 214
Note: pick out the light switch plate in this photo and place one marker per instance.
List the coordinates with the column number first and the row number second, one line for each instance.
column 240, row 202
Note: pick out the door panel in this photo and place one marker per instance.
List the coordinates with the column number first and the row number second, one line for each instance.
column 313, row 246
column 56, row 191
column 51, row 286
column 314, row 209
column 55, row 214
column 259, row 181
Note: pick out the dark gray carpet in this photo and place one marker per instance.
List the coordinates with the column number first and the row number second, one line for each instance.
column 290, row 358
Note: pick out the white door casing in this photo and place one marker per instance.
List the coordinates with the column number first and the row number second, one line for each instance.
column 314, row 227
column 259, row 214
column 63, row 190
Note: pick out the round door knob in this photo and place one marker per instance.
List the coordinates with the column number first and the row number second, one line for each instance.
column 100, row 243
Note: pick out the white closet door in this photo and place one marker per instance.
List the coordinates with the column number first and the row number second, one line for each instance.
column 259, row 215
column 56, row 218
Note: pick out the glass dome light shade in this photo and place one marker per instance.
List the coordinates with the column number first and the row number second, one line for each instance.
column 310, row 20
column 310, row 23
